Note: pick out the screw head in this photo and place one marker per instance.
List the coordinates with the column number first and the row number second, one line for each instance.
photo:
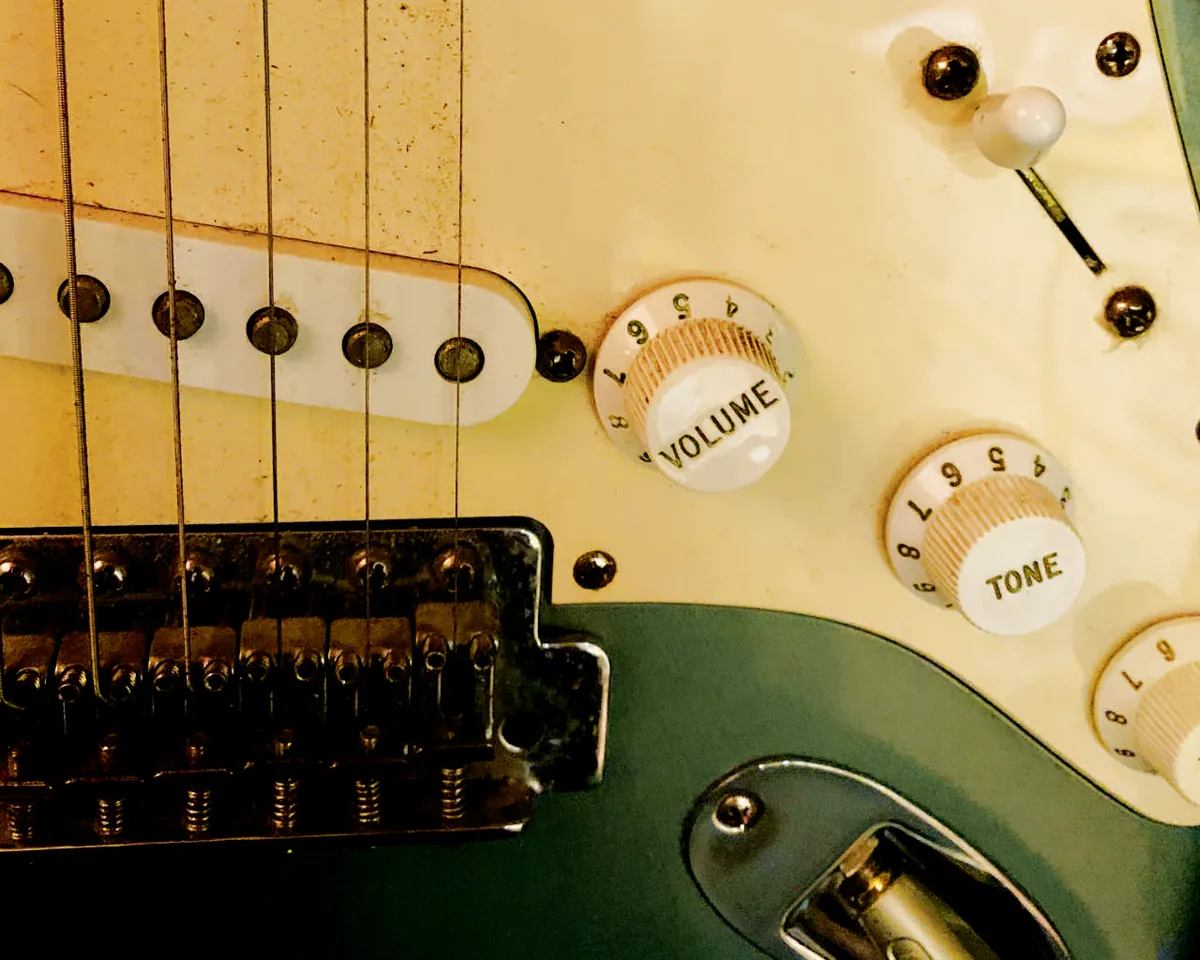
column 951, row 72
column 189, row 314
column 92, row 296
column 110, row 575
column 737, row 812
column 215, row 676
column 285, row 571
column 1118, row 54
column 196, row 749
column 1130, row 311
column 199, row 573
column 367, row 346
column 17, row 576
column 595, row 570
column 371, row 569
column 432, row 647
column 456, row 570
column 7, row 285
column 561, row 356
column 272, row 330
column 368, row 738
column 459, row 360
column 257, row 667
column 24, row 685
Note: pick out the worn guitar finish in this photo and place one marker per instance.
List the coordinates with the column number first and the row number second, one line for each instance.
column 785, row 146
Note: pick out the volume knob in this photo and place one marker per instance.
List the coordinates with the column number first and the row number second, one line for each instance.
column 982, row 525
column 695, row 378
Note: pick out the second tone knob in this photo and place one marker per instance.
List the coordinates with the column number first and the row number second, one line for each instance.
column 983, row 525
column 1146, row 703
column 696, row 378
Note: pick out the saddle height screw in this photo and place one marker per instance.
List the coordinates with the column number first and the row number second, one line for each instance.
column 198, row 800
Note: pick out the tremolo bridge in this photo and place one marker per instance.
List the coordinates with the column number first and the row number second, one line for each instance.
column 327, row 683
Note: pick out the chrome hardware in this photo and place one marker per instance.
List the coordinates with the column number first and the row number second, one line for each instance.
column 561, row 356
column 295, row 715
column 951, row 72
column 1118, row 54
column 1130, row 311
column 808, row 860
column 595, row 570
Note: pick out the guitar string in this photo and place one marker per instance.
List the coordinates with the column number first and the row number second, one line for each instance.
column 462, row 66
column 366, row 106
column 270, row 174
column 173, row 319
column 68, row 201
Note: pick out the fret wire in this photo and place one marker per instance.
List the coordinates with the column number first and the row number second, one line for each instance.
column 68, row 199
column 270, row 173
column 177, row 426
column 366, row 40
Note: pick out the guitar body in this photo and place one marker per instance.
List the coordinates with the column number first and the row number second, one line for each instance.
column 587, row 157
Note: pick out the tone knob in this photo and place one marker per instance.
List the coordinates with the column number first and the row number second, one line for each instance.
column 696, row 377
column 1146, row 704
column 1016, row 129
column 983, row 524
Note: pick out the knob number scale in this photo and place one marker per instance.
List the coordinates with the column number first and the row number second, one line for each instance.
column 666, row 307
column 944, row 472
column 1130, row 675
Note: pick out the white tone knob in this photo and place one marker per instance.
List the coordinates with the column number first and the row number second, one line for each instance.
column 695, row 378
column 1146, row 704
column 1015, row 130
column 983, row 525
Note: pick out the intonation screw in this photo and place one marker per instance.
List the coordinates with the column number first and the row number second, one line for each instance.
column 454, row 790
column 21, row 819
column 110, row 817
column 285, row 791
column 368, row 791
column 110, row 808
column 197, row 803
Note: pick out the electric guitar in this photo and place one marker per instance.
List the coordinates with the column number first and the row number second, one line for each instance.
column 483, row 401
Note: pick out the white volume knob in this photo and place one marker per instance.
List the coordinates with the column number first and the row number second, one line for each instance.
column 982, row 525
column 1146, row 704
column 689, row 379
column 1015, row 130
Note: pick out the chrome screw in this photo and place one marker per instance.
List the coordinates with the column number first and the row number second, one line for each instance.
column 1118, row 54
column 454, row 790
column 737, row 812
column 368, row 791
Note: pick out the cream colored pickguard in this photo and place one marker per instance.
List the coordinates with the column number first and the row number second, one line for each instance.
column 785, row 145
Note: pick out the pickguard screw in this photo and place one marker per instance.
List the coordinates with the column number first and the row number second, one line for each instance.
column 367, row 346
column 92, row 296
column 459, row 360
column 561, row 356
column 1118, row 54
column 595, row 570
column 189, row 314
column 1130, row 311
column 737, row 812
column 272, row 331
column 454, row 790
column 951, row 72
column 6, row 283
